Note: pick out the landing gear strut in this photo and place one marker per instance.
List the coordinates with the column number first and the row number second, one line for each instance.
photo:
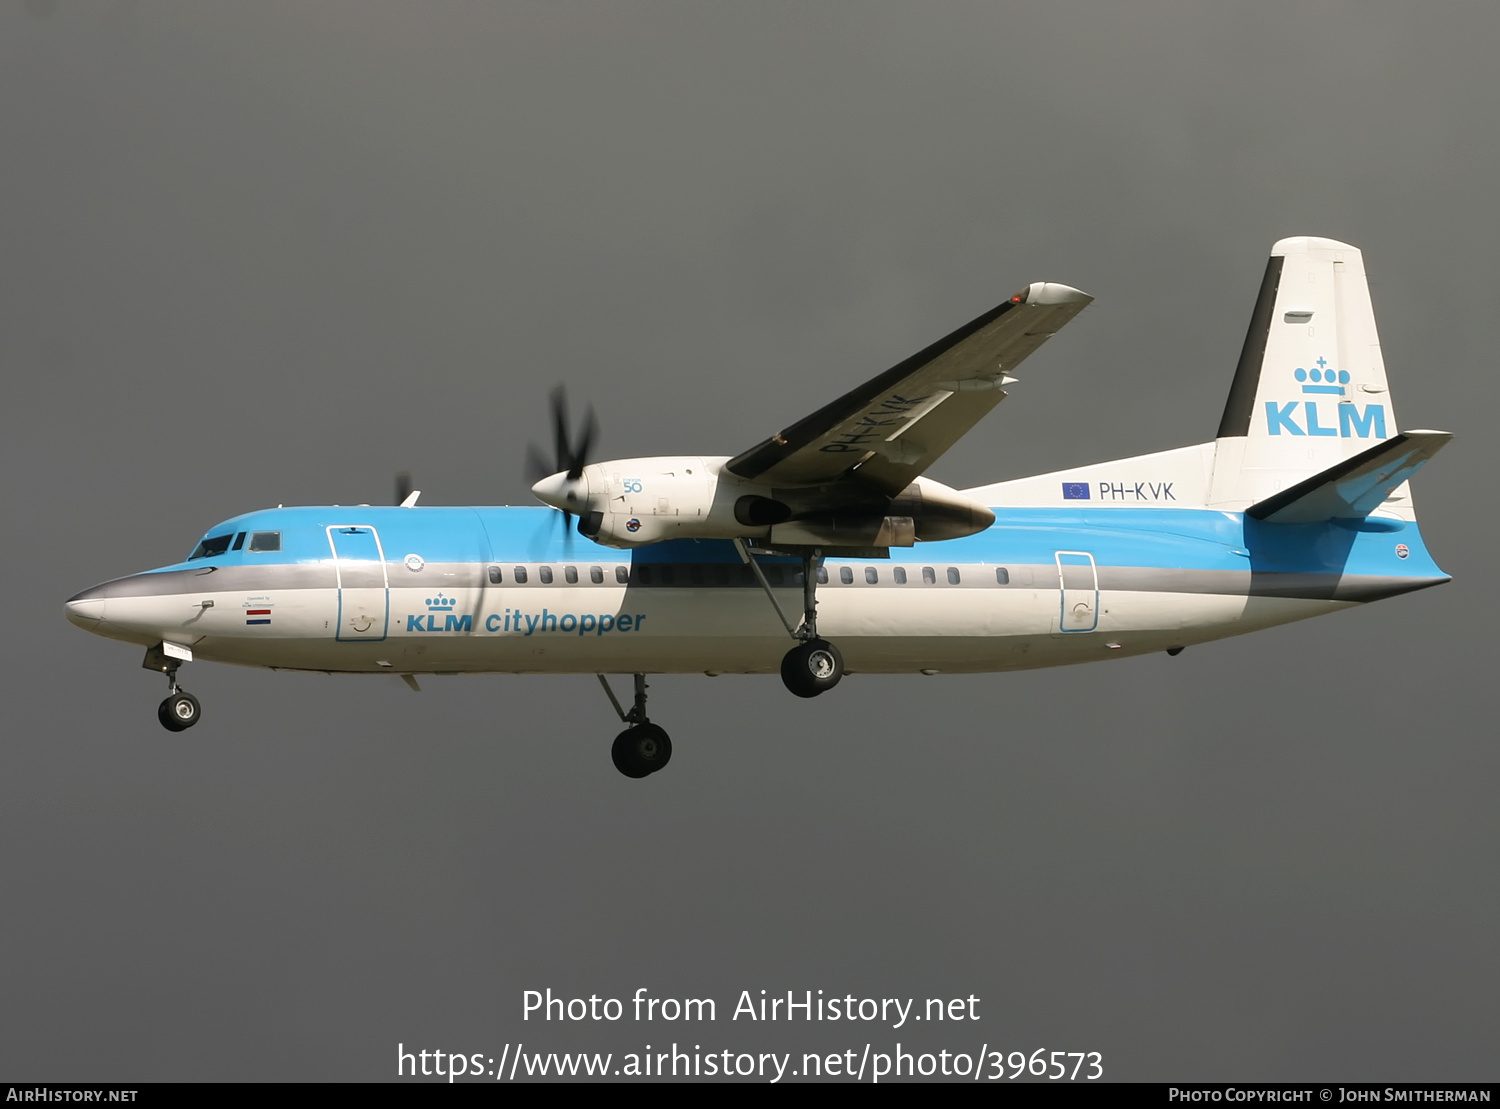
column 813, row 666
column 643, row 748
column 180, row 711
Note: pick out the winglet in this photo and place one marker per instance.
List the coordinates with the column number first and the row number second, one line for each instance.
column 1355, row 487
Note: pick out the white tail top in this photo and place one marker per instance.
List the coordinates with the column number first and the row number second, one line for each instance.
column 1310, row 389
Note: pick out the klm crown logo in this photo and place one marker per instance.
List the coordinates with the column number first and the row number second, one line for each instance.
column 441, row 606
column 1303, row 417
column 1323, row 379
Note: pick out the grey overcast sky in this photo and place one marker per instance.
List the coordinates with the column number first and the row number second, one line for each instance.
column 262, row 253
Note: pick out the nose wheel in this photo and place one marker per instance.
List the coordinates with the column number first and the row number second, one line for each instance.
column 179, row 712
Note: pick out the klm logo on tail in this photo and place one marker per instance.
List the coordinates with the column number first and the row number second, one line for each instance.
column 1352, row 421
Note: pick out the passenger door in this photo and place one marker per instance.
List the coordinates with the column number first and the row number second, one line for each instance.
column 1078, row 581
column 364, row 601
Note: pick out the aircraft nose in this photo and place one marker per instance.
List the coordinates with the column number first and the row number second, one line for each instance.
column 561, row 491
column 87, row 608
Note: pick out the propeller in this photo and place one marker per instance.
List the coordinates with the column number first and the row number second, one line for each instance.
column 570, row 456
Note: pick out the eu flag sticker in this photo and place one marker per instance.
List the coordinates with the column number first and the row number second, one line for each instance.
column 1075, row 490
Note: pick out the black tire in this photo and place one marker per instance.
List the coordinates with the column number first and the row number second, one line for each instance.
column 641, row 750
column 811, row 668
column 179, row 712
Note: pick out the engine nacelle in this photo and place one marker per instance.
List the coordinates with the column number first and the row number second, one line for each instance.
column 636, row 501
column 632, row 502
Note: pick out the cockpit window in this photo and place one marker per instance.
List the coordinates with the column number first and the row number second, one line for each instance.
column 239, row 541
column 213, row 545
column 265, row 541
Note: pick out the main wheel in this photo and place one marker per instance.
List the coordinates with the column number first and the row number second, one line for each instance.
column 641, row 750
column 179, row 712
column 811, row 668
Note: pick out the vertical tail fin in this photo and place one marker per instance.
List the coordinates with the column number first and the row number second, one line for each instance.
column 1310, row 390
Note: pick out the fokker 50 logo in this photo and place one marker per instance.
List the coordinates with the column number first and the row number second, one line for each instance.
column 1322, row 380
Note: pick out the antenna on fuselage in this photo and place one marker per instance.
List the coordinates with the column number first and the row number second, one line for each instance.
column 406, row 496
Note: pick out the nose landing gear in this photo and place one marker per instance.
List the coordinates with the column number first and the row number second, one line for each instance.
column 180, row 711
column 643, row 748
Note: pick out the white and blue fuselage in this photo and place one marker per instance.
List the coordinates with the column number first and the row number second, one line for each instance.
column 504, row 590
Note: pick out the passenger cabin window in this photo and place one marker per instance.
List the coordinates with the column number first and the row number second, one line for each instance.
column 928, row 576
column 494, row 575
column 570, row 574
column 643, row 574
column 1002, row 575
column 520, row 575
column 622, row 574
column 545, row 573
column 666, row 574
column 596, row 575
column 216, row 545
column 872, row 575
column 846, row 575
column 822, row 575
column 899, row 573
column 774, row 575
column 265, row 541
column 953, row 575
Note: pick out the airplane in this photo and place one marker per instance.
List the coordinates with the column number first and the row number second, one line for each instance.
column 827, row 536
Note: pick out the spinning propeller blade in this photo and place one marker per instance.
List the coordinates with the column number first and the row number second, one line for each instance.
column 570, row 452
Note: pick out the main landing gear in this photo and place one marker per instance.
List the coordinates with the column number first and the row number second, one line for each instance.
column 813, row 666
column 643, row 748
column 180, row 711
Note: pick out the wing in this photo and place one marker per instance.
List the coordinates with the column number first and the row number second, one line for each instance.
column 894, row 426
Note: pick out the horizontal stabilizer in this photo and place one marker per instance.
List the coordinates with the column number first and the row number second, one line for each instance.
column 1355, row 487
